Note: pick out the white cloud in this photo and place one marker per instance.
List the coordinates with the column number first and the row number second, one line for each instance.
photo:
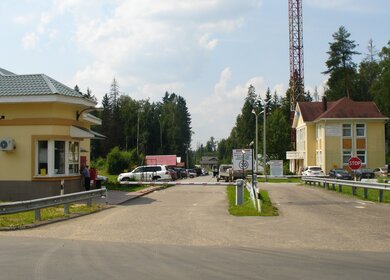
column 356, row 6
column 30, row 40
column 216, row 114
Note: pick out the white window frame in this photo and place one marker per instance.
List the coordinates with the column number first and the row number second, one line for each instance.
column 344, row 127
column 50, row 172
column 364, row 160
column 364, row 130
column 345, row 153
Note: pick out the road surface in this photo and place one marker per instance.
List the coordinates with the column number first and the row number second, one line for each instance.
column 185, row 232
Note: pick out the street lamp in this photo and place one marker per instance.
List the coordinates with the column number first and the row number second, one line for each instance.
column 159, row 119
column 265, row 103
column 243, row 165
column 256, row 141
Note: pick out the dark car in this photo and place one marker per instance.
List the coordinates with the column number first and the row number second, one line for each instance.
column 340, row 174
column 173, row 173
column 365, row 173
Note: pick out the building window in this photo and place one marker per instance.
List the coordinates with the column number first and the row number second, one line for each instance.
column 360, row 130
column 347, row 154
column 347, row 130
column 42, row 158
column 362, row 155
column 73, row 157
column 57, row 158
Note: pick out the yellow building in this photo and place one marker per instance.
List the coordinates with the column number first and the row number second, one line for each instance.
column 44, row 136
column 328, row 134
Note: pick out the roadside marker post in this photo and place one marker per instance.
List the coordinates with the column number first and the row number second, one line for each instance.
column 239, row 192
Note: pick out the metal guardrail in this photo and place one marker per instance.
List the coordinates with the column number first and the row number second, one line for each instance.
column 38, row 204
column 326, row 182
column 174, row 183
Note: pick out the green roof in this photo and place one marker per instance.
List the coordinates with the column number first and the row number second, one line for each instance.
column 32, row 85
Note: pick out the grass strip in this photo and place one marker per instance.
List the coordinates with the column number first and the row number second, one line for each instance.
column 19, row 220
column 280, row 180
column 247, row 209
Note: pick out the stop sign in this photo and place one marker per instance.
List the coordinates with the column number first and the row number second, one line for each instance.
column 354, row 163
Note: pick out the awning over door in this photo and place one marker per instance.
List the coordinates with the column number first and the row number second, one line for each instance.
column 81, row 132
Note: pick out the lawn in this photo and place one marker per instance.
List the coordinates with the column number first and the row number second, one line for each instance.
column 22, row 219
column 280, row 180
column 247, row 209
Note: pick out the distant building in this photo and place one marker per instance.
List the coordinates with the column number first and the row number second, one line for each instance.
column 329, row 133
column 209, row 162
column 45, row 133
column 171, row 160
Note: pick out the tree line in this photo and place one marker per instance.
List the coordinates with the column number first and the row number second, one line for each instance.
column 141, row 127
column 367, row 81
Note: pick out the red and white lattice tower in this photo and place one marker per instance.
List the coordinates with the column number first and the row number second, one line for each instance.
column 296, row 49
column 296, row 56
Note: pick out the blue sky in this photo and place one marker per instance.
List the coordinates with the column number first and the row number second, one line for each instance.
column 208, row 51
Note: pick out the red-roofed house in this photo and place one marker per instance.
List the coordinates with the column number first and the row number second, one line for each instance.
column 329, row 133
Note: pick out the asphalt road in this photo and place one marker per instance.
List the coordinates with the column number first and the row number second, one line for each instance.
column 185, row 232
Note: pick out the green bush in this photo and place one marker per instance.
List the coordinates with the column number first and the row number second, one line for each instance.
column 99, row 163
column 118, row 161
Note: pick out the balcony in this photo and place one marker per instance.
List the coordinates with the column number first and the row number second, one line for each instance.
column 295, row 155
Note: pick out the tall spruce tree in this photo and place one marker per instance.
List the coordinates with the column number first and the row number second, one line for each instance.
column 341, row 68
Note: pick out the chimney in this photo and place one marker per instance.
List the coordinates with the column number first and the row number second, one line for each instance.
column 324, row 103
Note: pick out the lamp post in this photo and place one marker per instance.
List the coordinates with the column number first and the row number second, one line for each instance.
column 159, row 119
column 243, row 169
column 256, row 141
column 253, row 175
column 265, row 103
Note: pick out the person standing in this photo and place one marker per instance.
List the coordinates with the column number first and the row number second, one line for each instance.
column 87, row 178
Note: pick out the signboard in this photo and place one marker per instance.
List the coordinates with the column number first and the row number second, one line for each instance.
column 242, row 159
column 276, row 167
column 354, row 163
column 333, row 130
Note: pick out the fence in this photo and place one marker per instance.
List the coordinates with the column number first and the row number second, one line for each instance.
column 381, row 187
column 38, row 204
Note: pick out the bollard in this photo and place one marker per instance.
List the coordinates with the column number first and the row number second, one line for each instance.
column 239, row 192
column 62, row 187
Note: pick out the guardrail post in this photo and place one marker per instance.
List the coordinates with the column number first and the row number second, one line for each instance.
column 365, row 193
column 380, row 196
column 37, row 214
column 340, row 188
column 353, row 190
column 66, row 208
column 334, row 186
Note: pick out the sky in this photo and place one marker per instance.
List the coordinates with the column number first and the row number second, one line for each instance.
column 208, row 51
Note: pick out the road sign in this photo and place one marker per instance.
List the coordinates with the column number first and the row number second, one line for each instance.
column 242, row 159
column 354, row 163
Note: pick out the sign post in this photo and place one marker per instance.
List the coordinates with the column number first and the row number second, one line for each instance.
column 241, row 160
column 354, row 163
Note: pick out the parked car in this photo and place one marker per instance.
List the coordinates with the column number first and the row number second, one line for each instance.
column 365, row 173
column 173, row 173
column 381, row 171
column 340, row 174
column 191, row 173
column 146, row 173
column 198, row 171
column 312, row 171
column 205, row 172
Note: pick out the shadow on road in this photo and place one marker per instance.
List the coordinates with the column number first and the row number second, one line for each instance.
column 139, row 201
